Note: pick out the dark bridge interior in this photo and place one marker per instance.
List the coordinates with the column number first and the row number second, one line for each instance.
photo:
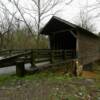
column 63, row 40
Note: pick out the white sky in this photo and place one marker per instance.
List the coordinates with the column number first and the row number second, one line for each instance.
column 70, row 12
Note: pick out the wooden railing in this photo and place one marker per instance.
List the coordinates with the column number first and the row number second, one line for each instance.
column 11, row 59
column 33, row 56
column 40, row 53
column 9, row 52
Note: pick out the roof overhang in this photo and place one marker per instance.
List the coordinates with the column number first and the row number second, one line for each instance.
column 56, row 25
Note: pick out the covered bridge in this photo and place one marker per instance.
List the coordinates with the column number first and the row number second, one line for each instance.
column 67, row 36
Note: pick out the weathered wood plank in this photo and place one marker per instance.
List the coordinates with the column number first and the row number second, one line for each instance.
column 35, row 56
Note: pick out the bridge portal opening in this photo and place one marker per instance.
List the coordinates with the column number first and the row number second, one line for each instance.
column 63, row 40
column 62, row 36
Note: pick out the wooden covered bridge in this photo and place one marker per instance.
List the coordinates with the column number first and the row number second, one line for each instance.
column 67, row 43
column 67, row 36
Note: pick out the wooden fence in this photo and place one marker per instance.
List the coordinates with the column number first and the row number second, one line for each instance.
column 33, row 56
column 39, row 55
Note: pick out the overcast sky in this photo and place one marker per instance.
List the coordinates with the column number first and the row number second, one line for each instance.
column 71, row 11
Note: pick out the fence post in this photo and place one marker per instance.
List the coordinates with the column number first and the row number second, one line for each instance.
column 20, row 69
column 32, row 58
column 10, row 51
column 52, row 56
column 64, row 54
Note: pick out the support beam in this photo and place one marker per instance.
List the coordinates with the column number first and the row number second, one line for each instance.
column 20, row 69
column 32, row 59
column 52, row 59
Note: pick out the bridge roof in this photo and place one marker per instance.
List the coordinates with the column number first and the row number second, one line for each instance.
column 57, row 24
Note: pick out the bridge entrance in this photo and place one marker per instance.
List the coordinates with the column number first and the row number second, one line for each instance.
column 63, row 41
column 61, row 35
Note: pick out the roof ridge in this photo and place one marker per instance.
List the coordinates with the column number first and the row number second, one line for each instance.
column 73, row 25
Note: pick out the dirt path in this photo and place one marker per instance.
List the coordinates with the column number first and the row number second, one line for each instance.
column 88, row 74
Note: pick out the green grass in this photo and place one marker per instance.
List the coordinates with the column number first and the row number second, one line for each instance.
column 11, row 79
column 48, row 75
column 55, row 86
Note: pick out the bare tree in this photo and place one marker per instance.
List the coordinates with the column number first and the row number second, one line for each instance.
column 85, row 21
column 41, row 10
column 38, row 11
column 6, row 26
column 95, row 8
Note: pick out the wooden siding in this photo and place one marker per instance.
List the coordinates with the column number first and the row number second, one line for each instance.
column 89, row 48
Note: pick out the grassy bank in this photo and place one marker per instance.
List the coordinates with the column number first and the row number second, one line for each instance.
column 48, row 86
column 6, row 79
